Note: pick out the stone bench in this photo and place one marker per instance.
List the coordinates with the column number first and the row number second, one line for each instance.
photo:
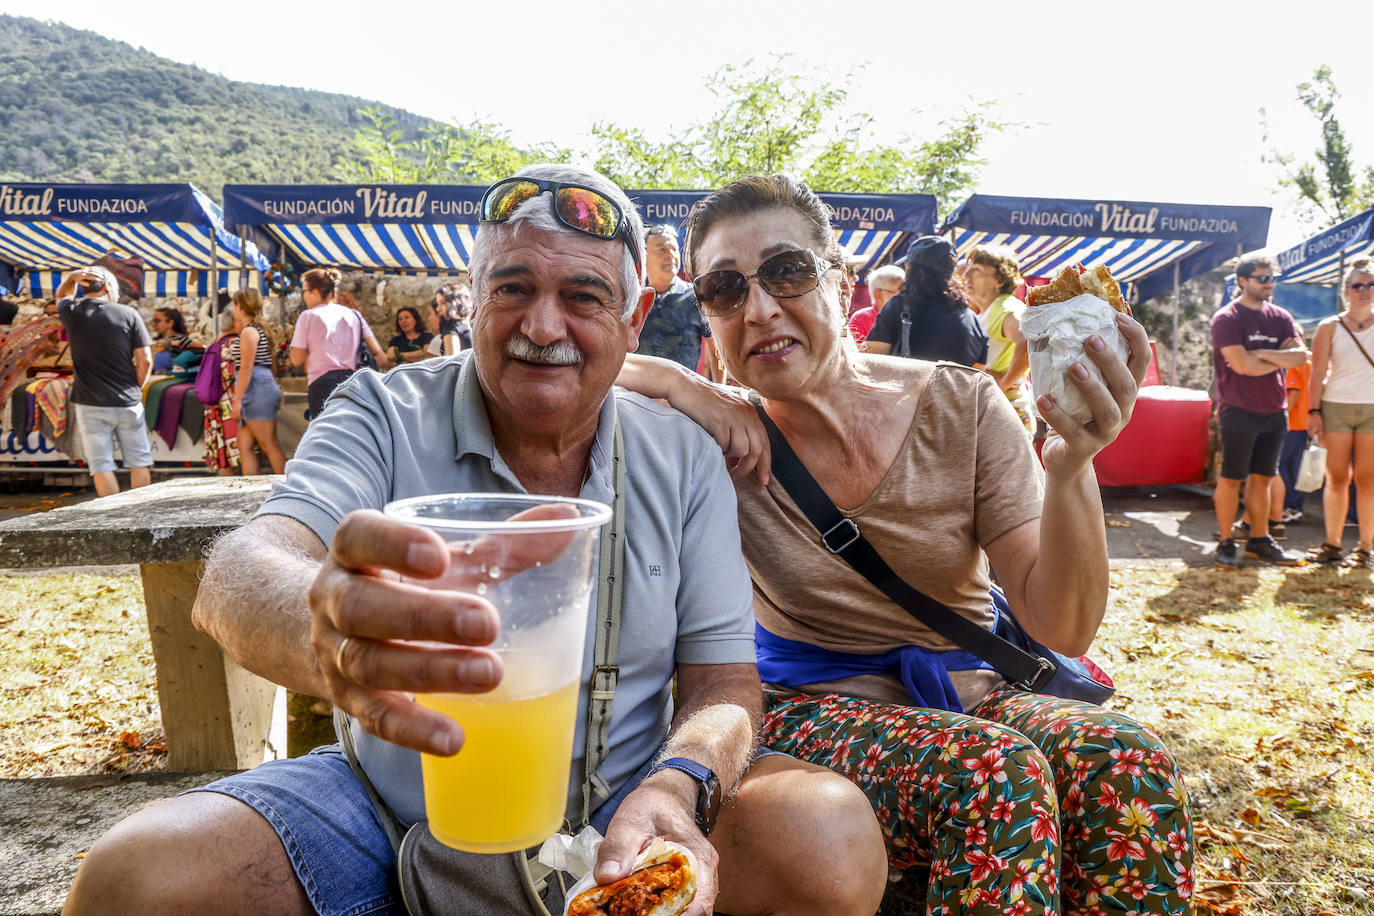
column 215, row 715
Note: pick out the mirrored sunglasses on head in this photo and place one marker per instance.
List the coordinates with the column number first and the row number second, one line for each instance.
column 785, row 275
column 577, row 207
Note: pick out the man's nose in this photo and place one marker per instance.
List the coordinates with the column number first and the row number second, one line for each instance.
column 544, row 321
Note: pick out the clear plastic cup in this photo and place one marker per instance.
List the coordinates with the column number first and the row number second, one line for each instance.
column 507, row 788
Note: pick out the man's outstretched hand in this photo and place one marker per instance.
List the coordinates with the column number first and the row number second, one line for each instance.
column 381, row 634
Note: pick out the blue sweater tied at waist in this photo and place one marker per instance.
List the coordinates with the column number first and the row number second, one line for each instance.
column 924, row 672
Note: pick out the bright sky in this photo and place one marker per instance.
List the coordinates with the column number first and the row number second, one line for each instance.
column 1129, row 101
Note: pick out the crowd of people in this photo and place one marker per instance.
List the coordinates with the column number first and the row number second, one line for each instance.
column 1275, row 396
column 852, row 737
column 235, row 368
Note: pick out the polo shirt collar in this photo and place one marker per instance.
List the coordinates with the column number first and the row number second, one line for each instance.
column 472, row 433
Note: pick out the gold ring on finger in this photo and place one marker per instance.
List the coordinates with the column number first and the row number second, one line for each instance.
column 339, row 654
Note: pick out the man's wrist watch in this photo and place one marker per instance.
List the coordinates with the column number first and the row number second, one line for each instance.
column 708, row 789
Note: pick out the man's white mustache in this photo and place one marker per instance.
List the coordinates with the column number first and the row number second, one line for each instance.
column 562, row 353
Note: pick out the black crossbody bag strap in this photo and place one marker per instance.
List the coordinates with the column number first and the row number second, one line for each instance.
column 842, row 537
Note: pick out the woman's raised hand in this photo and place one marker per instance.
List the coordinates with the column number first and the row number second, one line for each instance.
column 1074, row 444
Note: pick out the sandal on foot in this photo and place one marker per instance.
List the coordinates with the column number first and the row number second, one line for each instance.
column 1359, row 558
column 1326, row 553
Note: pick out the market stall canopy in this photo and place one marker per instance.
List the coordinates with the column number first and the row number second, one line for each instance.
column 873, row 227
column 1141, row 242
column 177, row 232
column 430, row 228
column 1321, row 258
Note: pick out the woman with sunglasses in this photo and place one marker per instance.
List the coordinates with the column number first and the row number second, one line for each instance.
column 1342, row 414
column 1014, row 801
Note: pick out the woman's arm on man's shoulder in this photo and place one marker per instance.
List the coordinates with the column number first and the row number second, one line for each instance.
column 725, row 413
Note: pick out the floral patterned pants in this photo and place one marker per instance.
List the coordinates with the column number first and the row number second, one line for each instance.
column 1029, row 800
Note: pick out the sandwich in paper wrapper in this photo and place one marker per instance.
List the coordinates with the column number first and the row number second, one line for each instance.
column 662, row 882
column 1075, row 305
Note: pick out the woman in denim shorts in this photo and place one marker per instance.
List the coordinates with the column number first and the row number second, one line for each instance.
column 256, row 393
column 1342, row 413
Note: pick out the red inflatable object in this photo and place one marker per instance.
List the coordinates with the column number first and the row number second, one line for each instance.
column 1165, row 442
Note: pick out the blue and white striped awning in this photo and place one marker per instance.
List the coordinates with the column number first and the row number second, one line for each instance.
column 162, row 284
column 874, row 227
column 175, row 229
column 1140, row 242
column 430, row 228
column 417, row 229
column 1319, row 259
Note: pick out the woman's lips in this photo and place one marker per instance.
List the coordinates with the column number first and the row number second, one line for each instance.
column 775, row 349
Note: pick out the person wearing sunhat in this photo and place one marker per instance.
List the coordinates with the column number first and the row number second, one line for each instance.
column 930, row 318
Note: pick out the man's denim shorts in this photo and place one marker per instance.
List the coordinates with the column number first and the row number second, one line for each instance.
column 263, row 397
column 330, row 830
column 331, row 833
column 98, row 428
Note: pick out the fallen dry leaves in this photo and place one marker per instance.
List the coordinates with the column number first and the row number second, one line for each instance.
column 1262, row 682
column 77, row 685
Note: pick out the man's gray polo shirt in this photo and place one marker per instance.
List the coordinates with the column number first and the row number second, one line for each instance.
column 423, row 429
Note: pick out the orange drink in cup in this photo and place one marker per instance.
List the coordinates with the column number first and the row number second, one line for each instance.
column 534, row 559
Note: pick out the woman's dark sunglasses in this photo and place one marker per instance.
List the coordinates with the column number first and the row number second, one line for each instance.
column 1362, row 287
column 576, row 207
column 785, row 275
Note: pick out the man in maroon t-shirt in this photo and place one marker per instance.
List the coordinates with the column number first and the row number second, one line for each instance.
column 1254, row 342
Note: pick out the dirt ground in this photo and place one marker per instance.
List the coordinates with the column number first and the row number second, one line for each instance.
column 1269, row 807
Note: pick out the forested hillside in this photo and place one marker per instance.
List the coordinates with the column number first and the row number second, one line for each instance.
column 75, row 106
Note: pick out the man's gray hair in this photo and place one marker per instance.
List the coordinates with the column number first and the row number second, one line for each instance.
column 889, row 276
column 538, row 213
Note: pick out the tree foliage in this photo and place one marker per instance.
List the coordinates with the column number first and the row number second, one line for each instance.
column 478, row 153
column 1328, row 186
column 770, row 118
column 75, row 106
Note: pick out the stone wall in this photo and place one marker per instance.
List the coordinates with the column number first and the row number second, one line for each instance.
column 1199, row 298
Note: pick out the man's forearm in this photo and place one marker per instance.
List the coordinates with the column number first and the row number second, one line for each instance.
column 1285, row 359
column 252, row 601
column 1252, row 364
column 718, row 726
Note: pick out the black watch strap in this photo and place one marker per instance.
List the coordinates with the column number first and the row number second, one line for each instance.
column 708, row 789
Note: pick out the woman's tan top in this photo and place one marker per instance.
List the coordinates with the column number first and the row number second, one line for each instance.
column 965, row 475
